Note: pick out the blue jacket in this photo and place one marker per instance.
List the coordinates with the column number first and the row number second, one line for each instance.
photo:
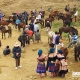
column 16, row 50
column 18, row 21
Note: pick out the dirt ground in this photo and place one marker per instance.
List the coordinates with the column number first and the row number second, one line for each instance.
column 28, row 58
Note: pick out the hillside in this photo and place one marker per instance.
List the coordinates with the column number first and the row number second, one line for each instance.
column 9, row 6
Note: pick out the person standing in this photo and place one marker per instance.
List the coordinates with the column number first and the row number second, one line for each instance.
column 59, row 56
column 17, row 54
column 26, row 17
column 37, row 36
column 54, row 37
column 52, row 62
column 51, row 45
column 17, row 22
column 63, row 67
column 31, row 26
column 48, row 26
column 30, row 33
column 22, row 39
column 36, row 27
column 75, row 12
column 27, row 39
column 41, row 63
column 58, row 42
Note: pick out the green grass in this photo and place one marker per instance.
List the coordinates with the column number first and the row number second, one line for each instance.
column 65, row 35
column 76, row 24
column 73, row 24
column 56, row 25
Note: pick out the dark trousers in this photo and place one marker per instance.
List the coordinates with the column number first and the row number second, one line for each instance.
column 17, row 62
column 26, row 22
column 23, row 43
column 28, row 42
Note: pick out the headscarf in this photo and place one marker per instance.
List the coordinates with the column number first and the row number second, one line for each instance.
column 51, row 50
column 40, row 52
column 60, row 51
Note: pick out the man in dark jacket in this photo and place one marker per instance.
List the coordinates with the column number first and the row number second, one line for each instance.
column 26, row 17
column 22, row 39
column 31, row 26
column 48, row 26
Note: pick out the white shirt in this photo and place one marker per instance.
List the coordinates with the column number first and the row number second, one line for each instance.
column 36, row 27
column 39, row 16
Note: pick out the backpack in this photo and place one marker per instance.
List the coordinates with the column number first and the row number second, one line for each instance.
column 20, row 38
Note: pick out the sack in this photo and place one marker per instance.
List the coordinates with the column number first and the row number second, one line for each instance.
column 19, row 38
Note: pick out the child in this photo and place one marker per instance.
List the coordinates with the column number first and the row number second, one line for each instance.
column 6, row 51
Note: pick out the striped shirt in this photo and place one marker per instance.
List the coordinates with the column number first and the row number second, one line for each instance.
column 75, row 38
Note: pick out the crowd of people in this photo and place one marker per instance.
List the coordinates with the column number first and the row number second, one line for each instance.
column 54, row 62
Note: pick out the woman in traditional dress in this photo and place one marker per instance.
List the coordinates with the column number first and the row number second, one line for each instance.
column 41, row 63
column 63, row 67
column 52, row 62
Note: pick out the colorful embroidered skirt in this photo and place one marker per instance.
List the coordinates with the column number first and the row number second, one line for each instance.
column 51, row 67
column 57, row 67
column 41, row 68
